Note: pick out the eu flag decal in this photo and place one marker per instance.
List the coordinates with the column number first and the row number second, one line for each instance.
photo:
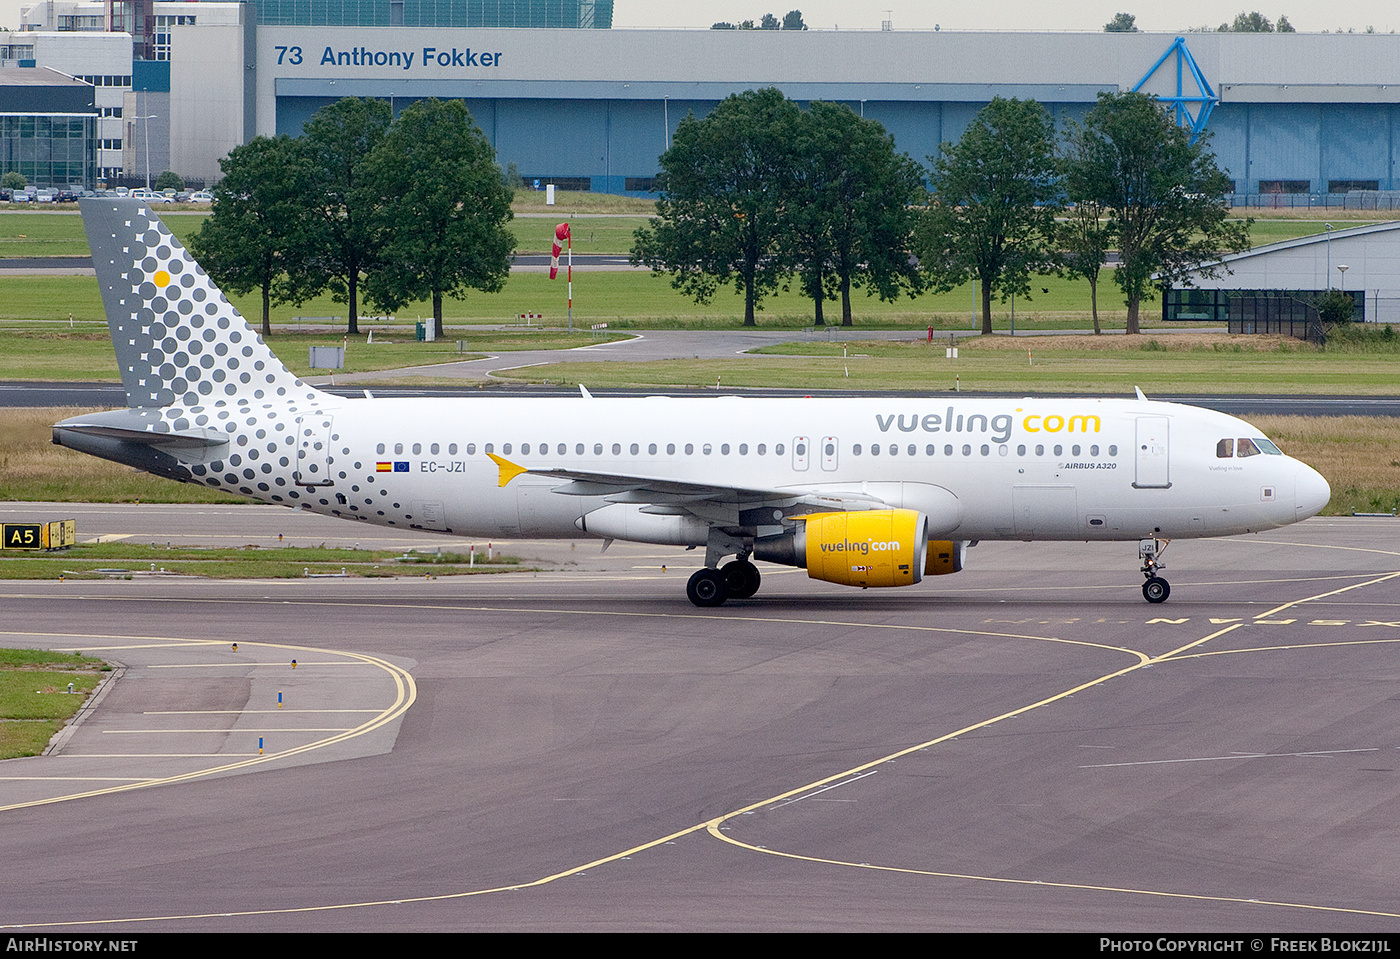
column 400, row 466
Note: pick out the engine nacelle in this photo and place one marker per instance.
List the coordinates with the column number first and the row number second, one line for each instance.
column 874, row 548
column 944, row 556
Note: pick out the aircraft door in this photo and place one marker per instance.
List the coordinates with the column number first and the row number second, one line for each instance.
column 313, row 451
column 801, row 454
column 831, row 450
column 1152, row 453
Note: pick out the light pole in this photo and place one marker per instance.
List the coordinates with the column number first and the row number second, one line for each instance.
column 1329, row 249
column 148, row 120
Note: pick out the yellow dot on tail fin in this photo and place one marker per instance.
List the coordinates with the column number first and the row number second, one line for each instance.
column 161, row 278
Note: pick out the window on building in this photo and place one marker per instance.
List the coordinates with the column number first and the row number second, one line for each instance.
column 1347, row 186
column 1283, row 186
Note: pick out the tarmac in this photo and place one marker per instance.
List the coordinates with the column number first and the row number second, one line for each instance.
column 1024, row 746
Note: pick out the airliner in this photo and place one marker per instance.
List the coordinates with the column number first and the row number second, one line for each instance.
column 874, row 492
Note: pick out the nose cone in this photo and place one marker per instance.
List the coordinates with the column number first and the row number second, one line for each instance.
column 1311, row 492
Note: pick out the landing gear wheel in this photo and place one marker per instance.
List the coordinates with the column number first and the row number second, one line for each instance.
column 706, row 588
column 1156, row 590
column 741, row 578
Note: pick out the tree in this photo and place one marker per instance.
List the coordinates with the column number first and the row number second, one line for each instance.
column 722, row 25
column 769, row 22
column 445, row 209
column 338, row 241
column 13, row 180
column 1254, row 22
column 995, row 195
column 724, row 185
column 1284, row 26
column 1121, row 23
column 851, row 216
column 243, row 244
column 1165, row 195
column 793, row 21
column 1084, row 243
column 170, row 180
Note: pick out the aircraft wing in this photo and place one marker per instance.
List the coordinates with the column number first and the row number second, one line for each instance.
column 715, row 503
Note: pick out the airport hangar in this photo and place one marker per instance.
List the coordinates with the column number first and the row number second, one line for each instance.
column 1299, row 116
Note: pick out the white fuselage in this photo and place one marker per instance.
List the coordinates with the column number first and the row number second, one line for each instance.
column 1031, row 469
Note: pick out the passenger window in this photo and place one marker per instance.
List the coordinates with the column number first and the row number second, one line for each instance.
column 743, row 449
column 930, row 449
column 398, row 449
column 505, row 449
column 563, row 449
column 1040, row 449
column 617, row 449
column 1113, row 450
column 489, row 448
column 762, row 448
column 597, row 449
column 1225, row 449
column 967, row 449
column 948, row 450
column 471, row 449
column 690, row 449
column 1094, row 450
column 706, row 449
column 986, row 450
column 874, row 449
column 1021, row 450
column 1246, row 447
column 524, row 449
column 451, row 449
column 434, row 449
column 855, row 449
column 724, row 449
column 778, row 449
column 635, row 449
column 670, row 449
column 1059, row 449
column 1074, row 450
column 894, row 449
column 417, row 449
column 379, row 449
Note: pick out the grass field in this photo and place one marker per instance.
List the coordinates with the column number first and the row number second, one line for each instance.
column 599, row 224
column 127, row 560
column 1175, row 363
column 34, row 698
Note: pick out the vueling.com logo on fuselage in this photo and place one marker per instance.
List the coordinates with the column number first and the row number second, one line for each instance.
column 999, row 425
column 865, row 548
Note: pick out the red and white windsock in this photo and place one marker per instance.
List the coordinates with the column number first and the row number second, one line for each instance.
column 561, row 234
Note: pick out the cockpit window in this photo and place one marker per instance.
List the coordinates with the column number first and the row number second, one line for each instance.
column 1267, row 447
column 1225, row 448
column 1246, row 447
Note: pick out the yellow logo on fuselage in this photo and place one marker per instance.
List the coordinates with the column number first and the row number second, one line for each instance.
column 1054, row 423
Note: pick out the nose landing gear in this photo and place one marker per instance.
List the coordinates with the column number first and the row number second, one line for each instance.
column 1156, row 589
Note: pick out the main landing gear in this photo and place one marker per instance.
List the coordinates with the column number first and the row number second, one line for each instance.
column 711, row 587
column 1156, row 589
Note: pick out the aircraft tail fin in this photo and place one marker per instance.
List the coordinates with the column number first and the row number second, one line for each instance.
column 178, row 340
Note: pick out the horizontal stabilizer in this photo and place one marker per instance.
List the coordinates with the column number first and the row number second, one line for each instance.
column 200, row 438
